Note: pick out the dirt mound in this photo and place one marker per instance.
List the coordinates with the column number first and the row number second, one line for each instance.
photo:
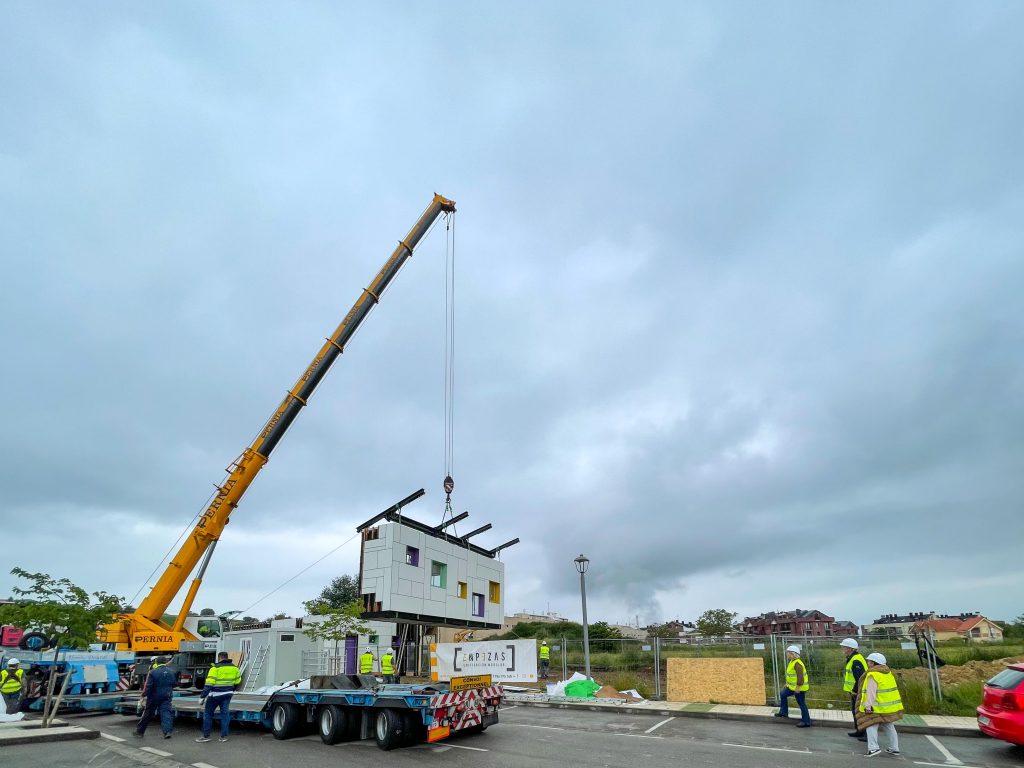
column 972, row 671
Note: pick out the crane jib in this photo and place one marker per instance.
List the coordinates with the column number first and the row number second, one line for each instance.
column 243, row 471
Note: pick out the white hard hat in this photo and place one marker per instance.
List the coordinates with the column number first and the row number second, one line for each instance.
column 13, row 663
column 850, row 643
column 876, row 657
column 543, row 642
column 794, row 649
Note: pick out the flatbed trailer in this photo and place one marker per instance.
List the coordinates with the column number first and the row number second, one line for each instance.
column 393, row 715
column 244, row 708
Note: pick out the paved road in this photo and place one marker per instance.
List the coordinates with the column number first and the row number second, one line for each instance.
column 530, row 738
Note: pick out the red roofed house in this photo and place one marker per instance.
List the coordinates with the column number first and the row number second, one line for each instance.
column 969, row 627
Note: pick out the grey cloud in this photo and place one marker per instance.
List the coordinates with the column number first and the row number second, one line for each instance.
column 729, row 277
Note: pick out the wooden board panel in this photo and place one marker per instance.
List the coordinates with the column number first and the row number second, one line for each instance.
column 717, row 681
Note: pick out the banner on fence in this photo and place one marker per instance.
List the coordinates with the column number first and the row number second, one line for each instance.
column 506, row 661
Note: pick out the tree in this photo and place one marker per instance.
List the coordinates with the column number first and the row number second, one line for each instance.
column 661, row 630
column 340, row 592
column 207, row 612
column 715, row 622
column 1014, row 630
column 57, row 607
column 333, row 623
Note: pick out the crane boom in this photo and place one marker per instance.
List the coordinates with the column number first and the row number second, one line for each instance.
column 143, row 630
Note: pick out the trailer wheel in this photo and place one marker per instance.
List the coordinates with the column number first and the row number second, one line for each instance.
column 284, row 720
column 390, row 729
column 415, row 730
column 334, row 724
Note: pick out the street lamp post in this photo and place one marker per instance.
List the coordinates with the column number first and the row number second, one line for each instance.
column 581, row 566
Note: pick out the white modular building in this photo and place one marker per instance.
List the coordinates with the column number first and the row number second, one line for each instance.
column 413, row 573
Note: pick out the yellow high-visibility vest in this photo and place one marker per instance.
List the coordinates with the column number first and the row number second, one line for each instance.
column 849, row 681
column 366, row 663
column 887, row 699
column 10, row 681
column 227, row 674
column 545, row 653
column 791, row 676
column 387, row 664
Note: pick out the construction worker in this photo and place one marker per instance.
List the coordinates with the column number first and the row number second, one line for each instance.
column 12, row 685
column 856, row 666
column 221, row 682
column 879, row 705
column 545, row 659
column 158, row 692
column 366, row 662
column 797, row 684
column 387, row 666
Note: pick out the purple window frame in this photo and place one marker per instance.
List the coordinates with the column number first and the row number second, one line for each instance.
column 412, row 556
column 478, row 604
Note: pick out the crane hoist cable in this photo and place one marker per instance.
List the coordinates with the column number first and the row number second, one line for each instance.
column 449, row 365
column 186, row 529
column 293, row 578
column 206, row 504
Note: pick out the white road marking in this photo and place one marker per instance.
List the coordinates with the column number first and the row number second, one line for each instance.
column 112, row 738
column 158, row 752
column 636, row 735
column 203, row 765
column 462, row 746
column 505, row 709
column 950, row 760
column 941, row 765
column 658, row 725
column 769, row 749
column 543, row 727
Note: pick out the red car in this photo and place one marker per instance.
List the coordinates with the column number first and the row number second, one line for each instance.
column 1001, row 714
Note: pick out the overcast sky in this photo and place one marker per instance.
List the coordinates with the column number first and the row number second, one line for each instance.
column 738, row 295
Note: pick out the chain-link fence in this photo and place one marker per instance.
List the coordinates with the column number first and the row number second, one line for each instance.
column 642, row 664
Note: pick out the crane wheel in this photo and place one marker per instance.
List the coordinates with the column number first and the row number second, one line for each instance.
column 35, row 641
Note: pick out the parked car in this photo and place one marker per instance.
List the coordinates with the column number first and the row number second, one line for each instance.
column 1001, row 714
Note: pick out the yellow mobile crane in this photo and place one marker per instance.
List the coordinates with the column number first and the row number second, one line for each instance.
column 143, row 630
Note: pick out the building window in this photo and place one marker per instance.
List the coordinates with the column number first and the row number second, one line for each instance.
column 463, row 589
column 494, row 591
column 478, row 604
column 438, row 574
column 287, row 638
column 412, row 556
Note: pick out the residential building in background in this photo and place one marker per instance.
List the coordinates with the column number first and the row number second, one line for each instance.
column 809, row 623
column 895, row 624
column 510, row 622
column 968, row 627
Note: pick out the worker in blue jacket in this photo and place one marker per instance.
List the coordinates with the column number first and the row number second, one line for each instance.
column 158, row 692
